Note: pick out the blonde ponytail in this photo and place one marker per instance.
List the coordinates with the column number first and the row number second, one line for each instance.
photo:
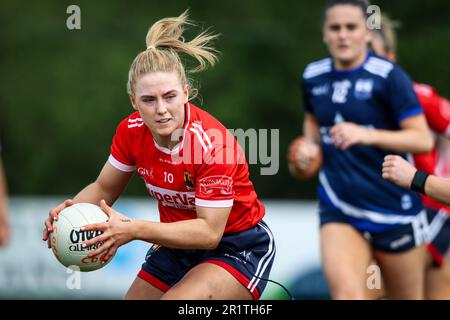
column 165, row 42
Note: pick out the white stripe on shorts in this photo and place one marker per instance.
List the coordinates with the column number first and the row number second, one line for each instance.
column 264, row 260
column 436, row 224
column 420, row 228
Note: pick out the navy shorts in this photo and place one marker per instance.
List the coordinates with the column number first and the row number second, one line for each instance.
column 394, row 239
column 439, row 235
column 247, row 255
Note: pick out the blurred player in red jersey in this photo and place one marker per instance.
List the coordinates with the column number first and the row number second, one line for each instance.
column 211, row 242
column 5, row 232
column 437, row 113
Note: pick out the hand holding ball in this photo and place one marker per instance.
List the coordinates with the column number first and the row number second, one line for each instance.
column 304, row 158
column 67, row 237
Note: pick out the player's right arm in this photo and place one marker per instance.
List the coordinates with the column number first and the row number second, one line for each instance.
column 109, row 185
column 304, row 149
column 438, row 189
column 399, row 171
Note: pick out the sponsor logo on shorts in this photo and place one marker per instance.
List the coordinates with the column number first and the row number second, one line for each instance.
column 246, row 254
column 152, row 250
column 222, row 184
column 401, row 242
column 235, row 258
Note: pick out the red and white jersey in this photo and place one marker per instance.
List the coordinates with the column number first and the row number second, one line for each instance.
column 437, row 113
column 207, row 168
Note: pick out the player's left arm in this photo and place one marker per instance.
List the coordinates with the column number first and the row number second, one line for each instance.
column 438, row 189
column 414, row 136
column 204, row 232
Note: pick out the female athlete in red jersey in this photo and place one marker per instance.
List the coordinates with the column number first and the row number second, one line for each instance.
column 211, row 242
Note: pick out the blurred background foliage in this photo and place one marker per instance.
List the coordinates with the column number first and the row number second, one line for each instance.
column 62, row 92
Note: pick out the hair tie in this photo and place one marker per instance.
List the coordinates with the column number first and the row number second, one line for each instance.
column 151, row 47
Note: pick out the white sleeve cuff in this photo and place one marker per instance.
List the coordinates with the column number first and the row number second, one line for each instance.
column 119, row 165
column 214, row 203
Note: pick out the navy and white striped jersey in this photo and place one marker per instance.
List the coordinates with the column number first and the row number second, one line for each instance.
column 377, row 94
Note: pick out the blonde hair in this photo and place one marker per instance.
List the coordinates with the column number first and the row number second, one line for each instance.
column 165, row 42
column 388, row 33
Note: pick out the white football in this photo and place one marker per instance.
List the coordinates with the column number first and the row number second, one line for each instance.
column 67, row 238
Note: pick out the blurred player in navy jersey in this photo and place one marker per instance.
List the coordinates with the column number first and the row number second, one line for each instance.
column 437, row 113
column 4, row 217
column 359, row 108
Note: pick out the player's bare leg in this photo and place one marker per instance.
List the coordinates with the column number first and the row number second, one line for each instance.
column 142, row 290
column 208, row 281
column 403, row 273
column 346, row 256
column 437, row 285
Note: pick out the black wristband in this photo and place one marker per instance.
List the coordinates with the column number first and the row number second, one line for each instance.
column 418, row 182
